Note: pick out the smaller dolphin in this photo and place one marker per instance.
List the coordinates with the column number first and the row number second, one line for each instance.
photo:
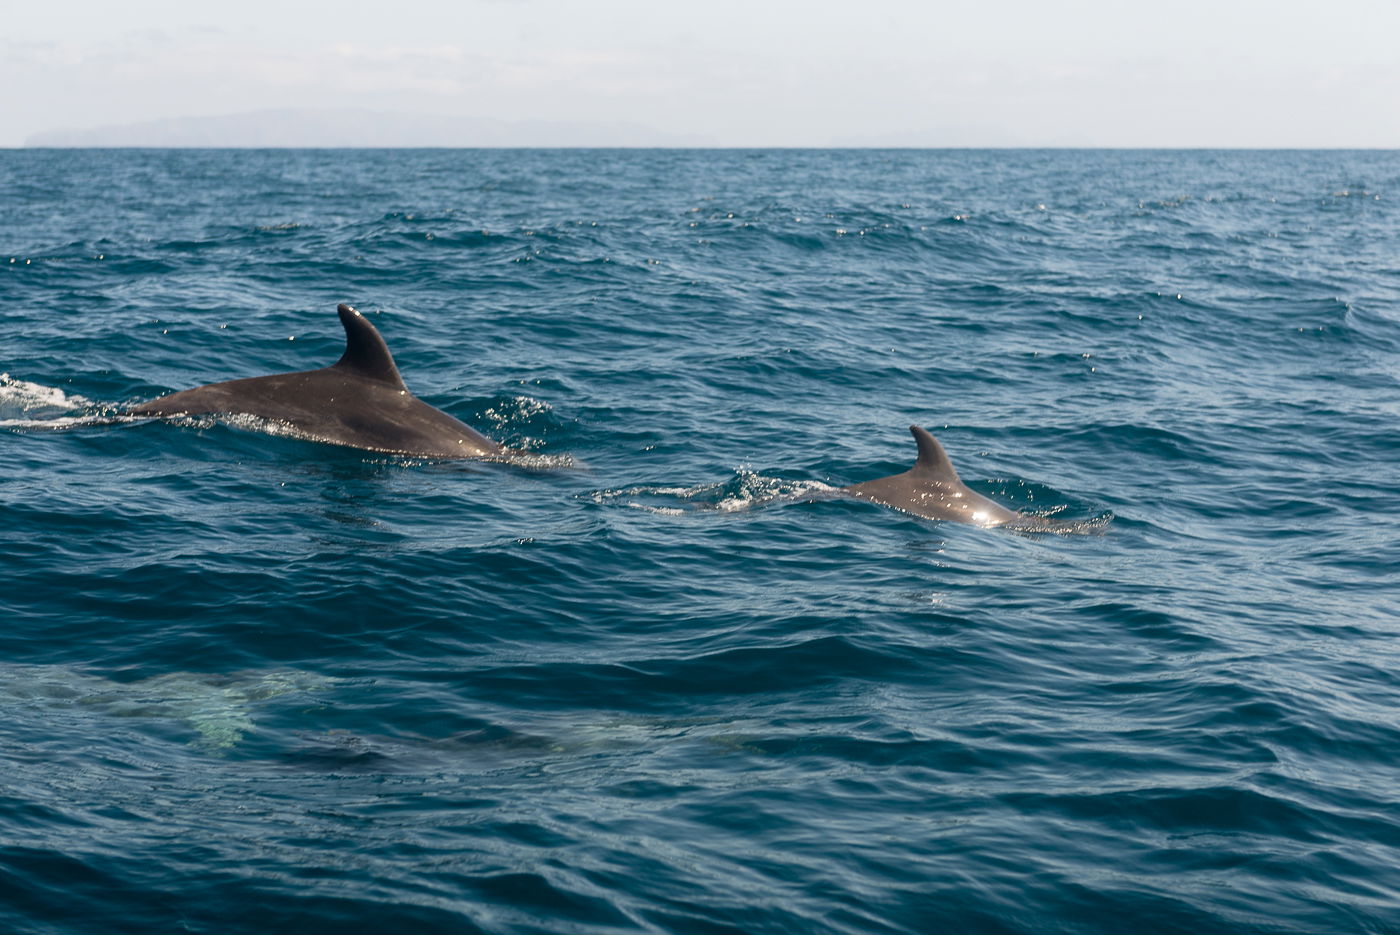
column 933, row 490
column 359, row 401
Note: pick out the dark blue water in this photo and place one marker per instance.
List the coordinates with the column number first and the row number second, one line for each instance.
column 664, row 681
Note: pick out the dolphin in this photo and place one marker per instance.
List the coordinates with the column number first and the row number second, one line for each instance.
column 933, row 490
column 359, row 401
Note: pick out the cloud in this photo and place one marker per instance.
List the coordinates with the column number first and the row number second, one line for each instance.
column 53, row 54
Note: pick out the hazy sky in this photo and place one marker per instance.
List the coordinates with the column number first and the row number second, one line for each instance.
column 735, row 72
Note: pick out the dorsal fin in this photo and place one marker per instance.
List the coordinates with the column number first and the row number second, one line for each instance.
column 933, row 460
column 366, row 354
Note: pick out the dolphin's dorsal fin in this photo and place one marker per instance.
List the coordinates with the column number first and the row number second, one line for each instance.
column 933, row 462
column 366, row 354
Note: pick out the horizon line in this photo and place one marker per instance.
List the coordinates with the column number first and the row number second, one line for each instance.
column 738, row 147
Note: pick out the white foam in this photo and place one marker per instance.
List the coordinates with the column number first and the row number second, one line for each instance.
column 529, row 459
column 755, row 489
column 253, row 423
column 514, row 411
column 658, row 510
column 60, row 422
column 267, row 426
column 744, row 491
column 23, row 396
column 26, row 405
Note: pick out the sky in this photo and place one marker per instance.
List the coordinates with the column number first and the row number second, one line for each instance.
column 1129, row 73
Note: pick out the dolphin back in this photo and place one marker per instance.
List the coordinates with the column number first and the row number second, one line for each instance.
column 933, row 490
column 360, row 401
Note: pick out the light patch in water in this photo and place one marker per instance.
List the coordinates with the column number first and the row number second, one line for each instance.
column 218, row 708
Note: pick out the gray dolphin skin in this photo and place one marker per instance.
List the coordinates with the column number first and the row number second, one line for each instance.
column 933, row 490
column 359, row 401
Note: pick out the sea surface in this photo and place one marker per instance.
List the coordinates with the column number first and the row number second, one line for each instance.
column 661, row 676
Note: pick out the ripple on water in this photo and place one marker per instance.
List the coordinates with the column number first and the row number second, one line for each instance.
column 655, row 672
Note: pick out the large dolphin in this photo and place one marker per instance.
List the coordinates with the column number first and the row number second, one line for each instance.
column 360, row 401
column 932, row 489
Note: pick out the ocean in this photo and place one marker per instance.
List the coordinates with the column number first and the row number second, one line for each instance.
column 661, row 676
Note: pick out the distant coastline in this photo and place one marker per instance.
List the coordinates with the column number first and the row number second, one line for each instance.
column 354, row 128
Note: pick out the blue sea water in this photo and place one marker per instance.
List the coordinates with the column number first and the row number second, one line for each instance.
column 664, row 679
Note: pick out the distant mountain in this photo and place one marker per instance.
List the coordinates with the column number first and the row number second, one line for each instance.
column 934, row 137
column 356, row 128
